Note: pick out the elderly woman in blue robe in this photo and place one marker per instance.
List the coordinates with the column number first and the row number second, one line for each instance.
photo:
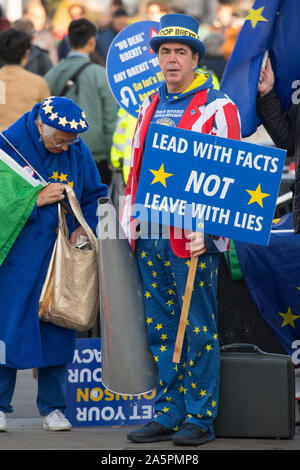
column 48, row 136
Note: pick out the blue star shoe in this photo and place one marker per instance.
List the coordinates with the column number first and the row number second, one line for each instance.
column 191, row 435
column 151, row 432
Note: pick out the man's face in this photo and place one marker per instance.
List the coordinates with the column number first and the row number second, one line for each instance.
column 59, row 140
column 177, row 64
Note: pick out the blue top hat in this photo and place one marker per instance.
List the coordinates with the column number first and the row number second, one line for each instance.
column 179, row 28
column 63, row 114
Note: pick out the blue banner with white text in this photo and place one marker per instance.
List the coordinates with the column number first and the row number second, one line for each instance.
column 198, row 181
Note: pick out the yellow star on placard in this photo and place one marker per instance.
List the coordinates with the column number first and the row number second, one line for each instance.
column 288, row 318
column 160, row 175
column 257, row 196
column 255, row 16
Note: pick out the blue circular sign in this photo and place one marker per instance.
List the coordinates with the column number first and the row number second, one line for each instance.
column 132, row 68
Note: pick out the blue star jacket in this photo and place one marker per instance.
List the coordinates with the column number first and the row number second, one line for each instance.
column 29, row 343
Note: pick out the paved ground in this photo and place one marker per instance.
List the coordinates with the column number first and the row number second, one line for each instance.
column 25, row 433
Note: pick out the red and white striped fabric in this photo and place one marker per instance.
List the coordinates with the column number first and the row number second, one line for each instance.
column 209, row 112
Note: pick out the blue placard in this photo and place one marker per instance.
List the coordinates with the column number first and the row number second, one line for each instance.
column 89, row 403
column 193, row 179
column 133, row 71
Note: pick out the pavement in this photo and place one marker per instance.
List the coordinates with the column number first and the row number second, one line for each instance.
column 25, row 433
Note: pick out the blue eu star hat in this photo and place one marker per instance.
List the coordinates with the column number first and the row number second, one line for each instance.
column 179, row 28
column 63, row 114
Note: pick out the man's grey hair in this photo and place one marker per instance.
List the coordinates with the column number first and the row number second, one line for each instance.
column 48, row 130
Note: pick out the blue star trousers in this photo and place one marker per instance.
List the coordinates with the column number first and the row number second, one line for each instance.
column 187, row 391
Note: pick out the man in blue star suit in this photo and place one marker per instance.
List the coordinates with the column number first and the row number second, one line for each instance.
column 186, row 400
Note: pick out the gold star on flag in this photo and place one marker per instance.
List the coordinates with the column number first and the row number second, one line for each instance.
column 54, row 175
column 197, row 330
column 158, row 326
column 288, row 318
column 149, row 320
column 53, row 116
column 255, row 16
column 147, row 294
column 160, row 175
column 257, row 196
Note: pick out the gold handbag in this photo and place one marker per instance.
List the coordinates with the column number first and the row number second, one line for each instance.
column 70, row 293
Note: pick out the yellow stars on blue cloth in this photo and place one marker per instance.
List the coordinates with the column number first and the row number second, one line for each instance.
column 62, row 113
column 160, row 175
column 255, row 16
column 62, row 177
column 257, row 196
column 288, row 318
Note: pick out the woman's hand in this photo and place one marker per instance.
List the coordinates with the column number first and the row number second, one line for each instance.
column 74, row 235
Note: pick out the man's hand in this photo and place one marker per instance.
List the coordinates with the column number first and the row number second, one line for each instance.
column 74, row 235
column 50, row 194
column 197, row 245
column 266, row 79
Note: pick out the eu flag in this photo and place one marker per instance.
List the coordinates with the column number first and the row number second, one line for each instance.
column 272, row 275
column 273, row 26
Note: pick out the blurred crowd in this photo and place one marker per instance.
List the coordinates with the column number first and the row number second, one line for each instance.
column 36, row 48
